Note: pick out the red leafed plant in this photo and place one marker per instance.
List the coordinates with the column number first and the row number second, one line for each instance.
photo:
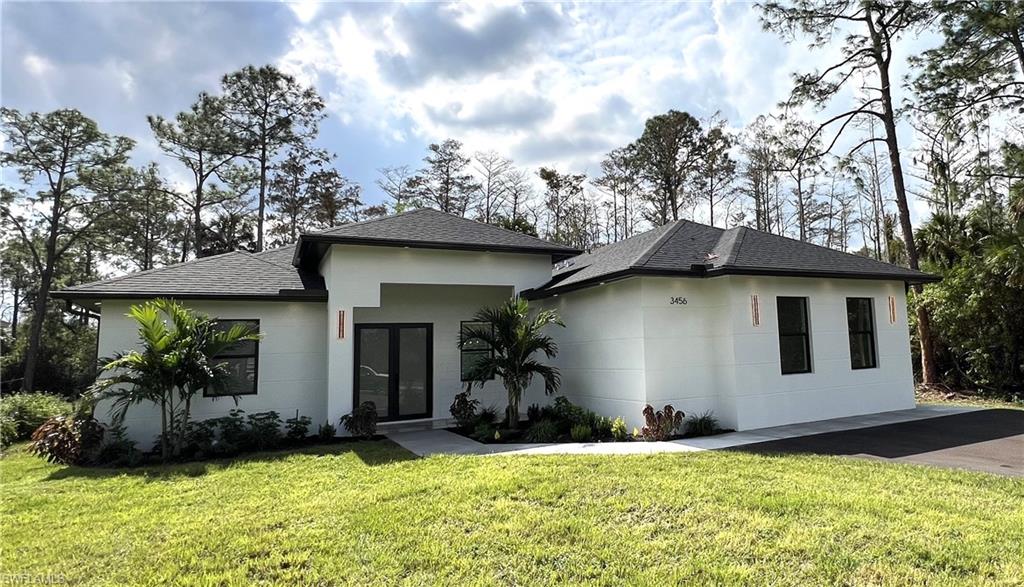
column 661, row 424
column 67, row 440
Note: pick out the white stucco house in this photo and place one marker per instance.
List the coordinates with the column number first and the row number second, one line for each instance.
column 760, row 329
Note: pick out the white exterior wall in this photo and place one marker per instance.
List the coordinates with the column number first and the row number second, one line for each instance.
column 626, row 344
column 765, row 397
column 354, row 275
column 292, row 370
column 601, row 349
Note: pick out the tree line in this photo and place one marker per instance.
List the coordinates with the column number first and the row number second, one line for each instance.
column 256, row 179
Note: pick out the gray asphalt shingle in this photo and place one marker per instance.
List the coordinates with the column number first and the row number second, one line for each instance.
column 678, row 246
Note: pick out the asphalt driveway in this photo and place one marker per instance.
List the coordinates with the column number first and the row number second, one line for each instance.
column 991, row 441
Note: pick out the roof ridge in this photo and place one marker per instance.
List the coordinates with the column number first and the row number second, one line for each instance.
column 367, row 221
column 258, row 258
column 657, row 244
column 503, row 229
column 733, row 253
column 152, row 271
column 831, row 250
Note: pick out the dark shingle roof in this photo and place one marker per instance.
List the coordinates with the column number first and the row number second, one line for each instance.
column 688, row 248
column 235, row 275
column 427, row 228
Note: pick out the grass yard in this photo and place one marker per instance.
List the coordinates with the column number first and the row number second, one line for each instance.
column 369, row 513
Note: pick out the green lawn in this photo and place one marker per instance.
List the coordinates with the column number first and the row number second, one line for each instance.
column 370, row 513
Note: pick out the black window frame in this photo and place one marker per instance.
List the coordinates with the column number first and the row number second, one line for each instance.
column 463, row 352
column 805, row 335
column 870, row 332
column 229, row 354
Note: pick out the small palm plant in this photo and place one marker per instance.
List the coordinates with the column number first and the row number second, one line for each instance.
column 175, row 363
column 515, row 338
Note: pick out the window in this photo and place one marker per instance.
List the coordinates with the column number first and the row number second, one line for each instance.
column 474, row 350
column 242, row 360
column 794, row 335
column 861, row 318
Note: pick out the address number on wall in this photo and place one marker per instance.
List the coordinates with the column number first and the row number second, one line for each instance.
column 677, row 301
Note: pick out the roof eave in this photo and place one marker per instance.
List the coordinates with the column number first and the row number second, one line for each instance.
column 284, row 295
column 723, row 271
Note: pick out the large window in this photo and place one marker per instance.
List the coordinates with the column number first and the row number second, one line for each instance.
column 794, row 335
column 242, row 360
column 861, row 318
column 475, row 350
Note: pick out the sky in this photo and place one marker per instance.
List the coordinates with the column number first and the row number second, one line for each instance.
column 545, row 84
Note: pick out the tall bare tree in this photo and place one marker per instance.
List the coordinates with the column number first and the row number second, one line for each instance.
column 492, row 172
column 445, row 182
column 872, row 29
column 396, row 182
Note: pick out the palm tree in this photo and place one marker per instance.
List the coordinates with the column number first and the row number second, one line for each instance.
column 176, row 362
column 514, row 337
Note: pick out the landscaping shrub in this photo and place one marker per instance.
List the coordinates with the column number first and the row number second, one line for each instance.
column 581, row 433
column 703, row 425
column 232, row 436
column 68, row 440
column 362, row 422
column 487, row 415
column 297, row 428
column 542, row 431
column 534, row 413
column 326, row 432
column 8, row 431
column 199, row 439
column 484, row 431
column 28, row 411
column 463, row 409
column 662, row 424
column 118, row 450
column 619, row 431
column 264, row 430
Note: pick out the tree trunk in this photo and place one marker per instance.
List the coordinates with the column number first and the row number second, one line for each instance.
column 929, row 374
column 36, row 330
column 263, row 198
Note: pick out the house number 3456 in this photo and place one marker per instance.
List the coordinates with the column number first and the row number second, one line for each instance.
column 677, row 301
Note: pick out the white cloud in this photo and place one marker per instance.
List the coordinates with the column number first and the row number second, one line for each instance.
column 305, row 10
column 37, row 65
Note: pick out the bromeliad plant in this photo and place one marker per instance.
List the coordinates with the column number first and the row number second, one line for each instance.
column 515, row 337
column 176, row 361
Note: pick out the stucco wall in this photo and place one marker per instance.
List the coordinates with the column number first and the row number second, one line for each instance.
column 765, row 397
column 628, row 344
column 354, row 275
column 601, row 350
column 292, row 373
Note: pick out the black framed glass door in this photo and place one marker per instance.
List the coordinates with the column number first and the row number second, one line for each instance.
column 394, row 369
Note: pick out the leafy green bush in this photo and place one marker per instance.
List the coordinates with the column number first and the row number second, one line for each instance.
column 27, row 411
column 581, row 433
column 118, row 450
column 542, row 431
column 326, row 432
column 662, row 424
column 619, row 431
column 264, row 430
column 68, row 440
column 705, row 424
column 362, row 422
column 463, row 409
column 487, row 415
column 533, row 413
column 8, row 431
column 297, row 428
column 484, row 431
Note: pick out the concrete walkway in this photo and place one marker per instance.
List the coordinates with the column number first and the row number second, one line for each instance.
column 432, row 442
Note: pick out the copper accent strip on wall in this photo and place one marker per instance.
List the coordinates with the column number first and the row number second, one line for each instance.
column 755, row 310
column 341, row 324
column 892, row 309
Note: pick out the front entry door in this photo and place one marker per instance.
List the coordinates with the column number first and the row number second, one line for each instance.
column 394, row 369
